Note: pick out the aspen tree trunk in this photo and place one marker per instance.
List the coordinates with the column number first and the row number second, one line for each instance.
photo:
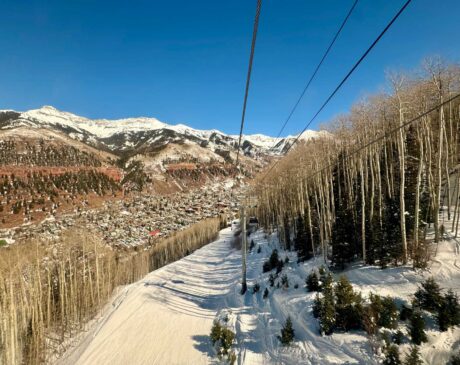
column 363, row 212
column 417, row 192
column 439, row 175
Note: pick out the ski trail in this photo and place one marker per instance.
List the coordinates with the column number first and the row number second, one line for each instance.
column 166, row 317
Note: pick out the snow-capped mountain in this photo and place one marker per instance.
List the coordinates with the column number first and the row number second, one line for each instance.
column 141, row 134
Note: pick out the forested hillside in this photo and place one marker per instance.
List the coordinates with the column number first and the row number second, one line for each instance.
column 370, row 191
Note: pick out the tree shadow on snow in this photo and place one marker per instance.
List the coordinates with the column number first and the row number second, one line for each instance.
column 203, row 344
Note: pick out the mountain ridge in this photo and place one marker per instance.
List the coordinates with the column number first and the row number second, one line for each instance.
column 138, row 133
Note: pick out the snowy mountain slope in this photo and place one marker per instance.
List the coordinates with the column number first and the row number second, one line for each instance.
column 166, row 317
column 139, row 135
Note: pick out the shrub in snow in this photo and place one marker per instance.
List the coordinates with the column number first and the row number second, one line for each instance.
column 222, row 339
column 384, row 310
column 279, row 266
column 286, row 260
column 252, row 245
column 285, row 281
column 317, row 306
column 273, row 262
column 429, row 296
column 265, row 293
column 392, row 356
column 417, row 328
column 271, row 280
column 296, row 286
column 287, row 333
column 323, row 276
column 259, row 249
column 398, row 337
column 312, row 282
column 302, row 242
column 413, row 358
column 389, row 315
column 348, row 306
column 405, row 313
column 327, row 313
column 256, row 288
column 449, row 312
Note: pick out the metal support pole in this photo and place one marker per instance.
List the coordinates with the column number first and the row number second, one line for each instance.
column 244, row 245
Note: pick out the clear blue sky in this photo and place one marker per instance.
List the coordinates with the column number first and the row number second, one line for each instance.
column 186, row 61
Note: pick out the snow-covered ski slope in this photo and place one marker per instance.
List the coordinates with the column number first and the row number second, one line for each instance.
column 166, row 317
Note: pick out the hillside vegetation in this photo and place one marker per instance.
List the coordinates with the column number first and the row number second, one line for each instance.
column 371, row 189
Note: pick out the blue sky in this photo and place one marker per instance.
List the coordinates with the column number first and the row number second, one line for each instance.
column 186, row 61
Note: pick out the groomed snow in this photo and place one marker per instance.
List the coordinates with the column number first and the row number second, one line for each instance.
column 166, row 317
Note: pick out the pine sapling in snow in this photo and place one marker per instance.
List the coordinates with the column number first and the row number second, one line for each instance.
column 287, row 333
column 417, row 328
column 429, row 296
column 392, row 356
column 413, row 358
column 449, row 312
column 312, row 281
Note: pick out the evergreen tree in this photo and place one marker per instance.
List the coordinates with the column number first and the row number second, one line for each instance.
column 391, row 243
column 342, row 237
column 429, row 296
column 322, row 276
column 271, row 280
column 449, row 311
column 413, row 358
column 287, row 233
column 327, row 313
column 265, row 296
column 317, row 306
column 398, row 337
column 347, row 306
column 389, row 313
column 312, row 281
column 392, row 356
column 302, row 242
column 417, row 328
column 287, row 333
column 216, row 331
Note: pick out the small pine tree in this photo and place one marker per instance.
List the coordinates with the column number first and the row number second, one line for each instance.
column 413, row 358
column 389, row 314
column 429, row 296
column 392, row 356
column 317, row 306
column 449, row 311
column 345, row 305
column 312, row 282
column 216, row 331
column 342, row 237
column 405, row 313
column 271, row 280
column 265, row 296
column 285, row 281
column 256, row 288
column 398, row 337
column 417, row 328
column 226, row 340
column 279, row 266
column 287, row 333
column 302, row 241
column 259, row 249
column 322, row 276
column 327, row 314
